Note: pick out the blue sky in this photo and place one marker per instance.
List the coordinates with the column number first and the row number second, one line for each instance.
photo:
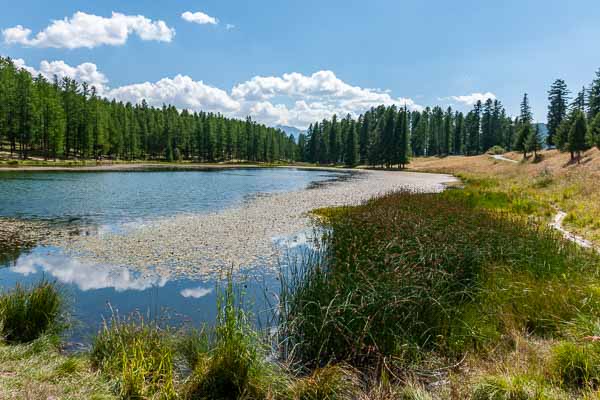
column 312, row 57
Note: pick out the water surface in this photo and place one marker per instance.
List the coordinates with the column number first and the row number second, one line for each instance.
column 118, row 200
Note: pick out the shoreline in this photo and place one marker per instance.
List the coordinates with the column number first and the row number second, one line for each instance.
column 245, row 235
column 148, row 166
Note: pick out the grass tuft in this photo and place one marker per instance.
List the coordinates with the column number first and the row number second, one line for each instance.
column 28, row 313
column 137, row 356
column 332, row 382
column 576, row 366
column 236, row 365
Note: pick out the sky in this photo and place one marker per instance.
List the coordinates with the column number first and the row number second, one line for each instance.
column 295, row 62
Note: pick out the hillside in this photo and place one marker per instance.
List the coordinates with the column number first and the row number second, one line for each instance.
column 553, row 182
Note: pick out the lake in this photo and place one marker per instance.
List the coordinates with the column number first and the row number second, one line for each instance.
column 95, row 202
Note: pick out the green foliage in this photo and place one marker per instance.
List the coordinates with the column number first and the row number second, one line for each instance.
column 578, row 134
column 138, row 356
column 65, row 119
column 408, row 273
column 28, row 313
column 595, row 130
column 508, row 388
column 576, row 365
column 235, row 366
column 332, row 382
column 496, row 150
column 558, row 97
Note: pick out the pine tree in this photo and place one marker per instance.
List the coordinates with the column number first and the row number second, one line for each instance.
column 558, row 97
column 487, row 139
column 534, row 141
column 403, row 137
column 578, row 135
column 351, row 153
column 595, row 130
column 594, row 98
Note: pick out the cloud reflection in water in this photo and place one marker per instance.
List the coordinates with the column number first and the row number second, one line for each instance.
column 85, row 276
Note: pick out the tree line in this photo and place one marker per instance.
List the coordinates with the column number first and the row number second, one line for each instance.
column 389, row 136
column 66, row 119
column 574, row 123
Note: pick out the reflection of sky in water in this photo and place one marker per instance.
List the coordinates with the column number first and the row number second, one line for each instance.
column 85, row 276
column 92, row 288
column 110, row 203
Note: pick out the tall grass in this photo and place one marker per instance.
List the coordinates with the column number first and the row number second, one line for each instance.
column 406, row 274
column 236, row 365
column 137, row 356
column 26, row 313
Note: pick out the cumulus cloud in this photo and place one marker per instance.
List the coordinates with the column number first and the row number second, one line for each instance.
column 85, row 276
column 291, row 99
column 196, row 293
column 199, row 18
column 473, row 98
column 88, row 30
column 312, row 97
column 180, row 91
column 85, row 72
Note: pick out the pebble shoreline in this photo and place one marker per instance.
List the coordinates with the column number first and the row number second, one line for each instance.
column 198, row 245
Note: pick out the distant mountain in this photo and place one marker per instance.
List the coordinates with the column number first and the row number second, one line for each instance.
column 290, row 130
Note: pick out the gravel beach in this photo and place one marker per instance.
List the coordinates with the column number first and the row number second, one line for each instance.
column 247, row 235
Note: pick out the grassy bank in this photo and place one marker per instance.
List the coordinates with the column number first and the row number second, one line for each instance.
column 461, row 295
column 530, row 186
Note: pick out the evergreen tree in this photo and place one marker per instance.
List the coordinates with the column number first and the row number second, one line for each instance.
column 534, row 141
column 594, row 98
column 578, row 135
column 351, row 152
column 558, row 97
column 595, row 130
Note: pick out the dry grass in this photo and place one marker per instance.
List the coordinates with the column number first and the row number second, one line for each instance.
column 37, row 370
column 552, row 181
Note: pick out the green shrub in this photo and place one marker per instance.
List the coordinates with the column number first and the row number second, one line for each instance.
column 576, row 365
column 28, row 313
column 496, row 150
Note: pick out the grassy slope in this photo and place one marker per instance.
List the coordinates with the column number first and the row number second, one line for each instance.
column 535, row 187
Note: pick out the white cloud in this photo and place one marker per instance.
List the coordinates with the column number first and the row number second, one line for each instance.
column 199, row 18
column 85, row 276
column 88, row 30
column 180, row 91
column 85, row 72
column 196, row 293
column 291, row 99
column 473, row 98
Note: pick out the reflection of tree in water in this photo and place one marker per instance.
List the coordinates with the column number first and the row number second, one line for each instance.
column 18, row 237
column 10, row 254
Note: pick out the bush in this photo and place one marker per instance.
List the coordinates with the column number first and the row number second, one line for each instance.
column 28, row 313
column 575, row 365
column 496, row 150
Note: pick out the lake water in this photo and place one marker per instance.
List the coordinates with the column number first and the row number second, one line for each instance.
column 116, row 200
